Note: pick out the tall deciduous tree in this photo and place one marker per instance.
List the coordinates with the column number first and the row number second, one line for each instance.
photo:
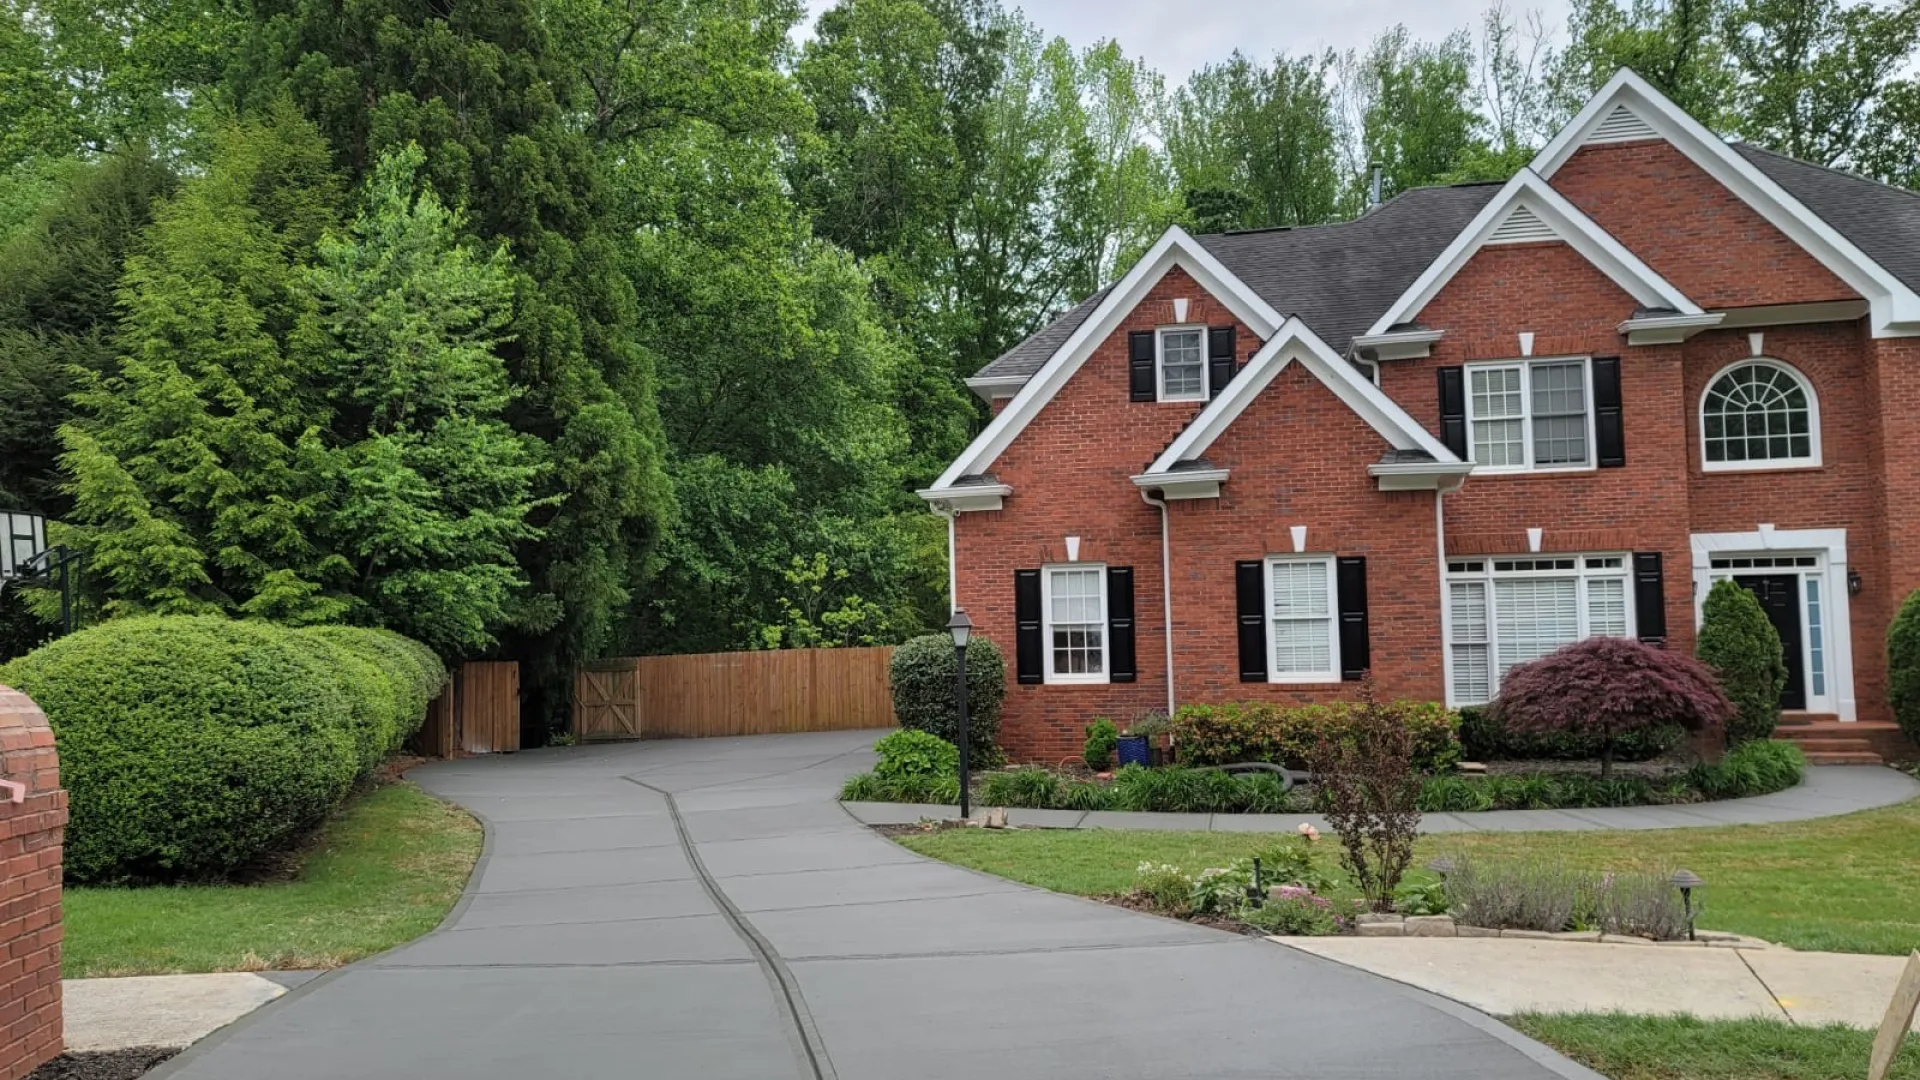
column 1243, row 135
column 1415, row 116
column 1674, row 44
column 1815, row 77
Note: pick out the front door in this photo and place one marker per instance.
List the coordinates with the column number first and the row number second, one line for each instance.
column 1779, row 596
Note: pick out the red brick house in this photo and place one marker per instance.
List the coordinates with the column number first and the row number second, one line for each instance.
column 1472, row 425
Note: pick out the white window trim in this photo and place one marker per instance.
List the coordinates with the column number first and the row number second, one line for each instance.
column 1770, row 465
column 1160, row 363
column 1767, row 540
column 1488, row 575
column 1050, row 676
column 1525, row 364
column 1274, row 675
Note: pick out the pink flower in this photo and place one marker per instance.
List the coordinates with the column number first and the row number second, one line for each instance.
column 1307, row 830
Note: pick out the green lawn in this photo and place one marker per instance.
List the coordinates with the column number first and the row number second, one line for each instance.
column 1845, row 884
column 1683, row 1048
column 385, row 870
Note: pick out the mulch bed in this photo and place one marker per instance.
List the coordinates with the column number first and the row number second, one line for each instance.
column 102, row 1064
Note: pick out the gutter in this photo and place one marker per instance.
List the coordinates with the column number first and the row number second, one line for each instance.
column 1166, row 589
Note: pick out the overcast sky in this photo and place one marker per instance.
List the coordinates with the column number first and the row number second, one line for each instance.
column 1177, row 36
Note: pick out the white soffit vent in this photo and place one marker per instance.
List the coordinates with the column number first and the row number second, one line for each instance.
column 1522, row 226
column 1621, row 125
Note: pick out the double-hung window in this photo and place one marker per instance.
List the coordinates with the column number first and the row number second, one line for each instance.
column 1534, row 414
column 1183, row 363
column 1304, row 642
column 1076, row 612
column 1507, row 611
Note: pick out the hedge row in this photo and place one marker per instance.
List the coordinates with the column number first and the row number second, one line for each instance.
column 1484, row 738
column 192, row 746
column 1259, row 731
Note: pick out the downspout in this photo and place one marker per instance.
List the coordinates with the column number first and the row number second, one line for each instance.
column 947, row 511
column 1166, row 589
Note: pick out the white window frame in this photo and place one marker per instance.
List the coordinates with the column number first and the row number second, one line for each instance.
column 1160, row 363
column 1526, row 366
column 1046, row 626
column 1831, row 547
column 1811, row 461
column 1481, row 568
column 1274, row 674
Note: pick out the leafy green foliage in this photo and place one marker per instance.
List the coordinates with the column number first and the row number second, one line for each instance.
column 1262, row 731
column 1753, row 768
column 1294, row 912
column 193, row 746
column 1484, row 738
column 916, row 754
column 1102, row 737
column 1740, row 644
column 923, row 676
column 1903, row 666
column 1030, row 786
column 1607, row 686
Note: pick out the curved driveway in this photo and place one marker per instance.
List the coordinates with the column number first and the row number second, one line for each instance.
column 704, row 909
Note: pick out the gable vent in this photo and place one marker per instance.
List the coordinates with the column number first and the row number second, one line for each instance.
column 1622, row 125
column 1522, row 227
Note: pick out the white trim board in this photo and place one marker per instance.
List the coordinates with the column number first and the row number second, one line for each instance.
column 1895, row 308
column 1529, row 192
column 1830, row 543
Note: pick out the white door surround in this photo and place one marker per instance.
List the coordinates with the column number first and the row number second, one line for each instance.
column 1828, row 549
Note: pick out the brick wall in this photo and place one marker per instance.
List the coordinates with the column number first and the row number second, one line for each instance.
column 30, row 844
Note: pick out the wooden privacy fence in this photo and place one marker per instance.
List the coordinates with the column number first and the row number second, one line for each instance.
column 478, row 714
column 744, row 693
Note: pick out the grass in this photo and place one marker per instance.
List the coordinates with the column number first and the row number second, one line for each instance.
column 1685, row 1048
column 1843, row 884
column 386, row 869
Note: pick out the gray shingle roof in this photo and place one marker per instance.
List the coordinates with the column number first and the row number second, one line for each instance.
column 1882, row 221
column 1338, row 278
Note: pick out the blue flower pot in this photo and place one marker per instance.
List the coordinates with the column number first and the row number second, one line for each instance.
column 1133, row 750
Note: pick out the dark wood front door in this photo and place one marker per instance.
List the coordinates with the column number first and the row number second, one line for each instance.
column 1779, row 596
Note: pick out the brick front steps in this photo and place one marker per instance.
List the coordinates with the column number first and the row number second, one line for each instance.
column 1827, row 741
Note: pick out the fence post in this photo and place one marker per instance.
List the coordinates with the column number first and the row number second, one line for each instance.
column 33, row 819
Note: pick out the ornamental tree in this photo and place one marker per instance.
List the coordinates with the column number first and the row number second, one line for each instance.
column 1739, row 643
column 1609, row 686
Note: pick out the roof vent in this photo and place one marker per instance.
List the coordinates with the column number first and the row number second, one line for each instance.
column 1522, row 227
column 1622, row 125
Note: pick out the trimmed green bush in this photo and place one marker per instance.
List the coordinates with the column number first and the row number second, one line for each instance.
column 921, row 674
column 1261, row 731
column 192, row 746
column 1903, row 666
column 1753, row 768
column 1484, row 738
column 910, row 753
column 1102, row 737
column 1740, row 644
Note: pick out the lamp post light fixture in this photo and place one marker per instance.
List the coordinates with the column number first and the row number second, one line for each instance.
column 1442, row 865
column 1686, row 881
column 961, row 628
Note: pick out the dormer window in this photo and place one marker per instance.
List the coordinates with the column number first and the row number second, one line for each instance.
column 1183, row 363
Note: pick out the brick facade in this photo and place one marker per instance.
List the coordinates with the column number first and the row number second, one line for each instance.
column 1298, row 456
column 30, row 844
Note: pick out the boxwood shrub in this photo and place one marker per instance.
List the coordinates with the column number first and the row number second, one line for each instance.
column 192, row 746
column 1261, row 731
column 921, row 675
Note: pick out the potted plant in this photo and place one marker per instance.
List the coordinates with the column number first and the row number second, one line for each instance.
column 1144, row 742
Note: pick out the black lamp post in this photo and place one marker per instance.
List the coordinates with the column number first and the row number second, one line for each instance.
column 1686, row 881
column 961, row 628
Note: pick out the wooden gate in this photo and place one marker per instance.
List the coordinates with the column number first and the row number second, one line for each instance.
column 478, row 713
column 744, row 693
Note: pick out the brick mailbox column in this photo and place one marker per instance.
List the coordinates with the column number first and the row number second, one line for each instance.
column 31, row 832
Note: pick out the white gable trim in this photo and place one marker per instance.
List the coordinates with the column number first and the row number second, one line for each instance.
column 1895, row 308
column 1174, row 248
column 1529, row 194
column 1295, row 341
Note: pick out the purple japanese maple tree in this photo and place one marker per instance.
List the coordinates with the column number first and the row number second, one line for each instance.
column 1608, row 686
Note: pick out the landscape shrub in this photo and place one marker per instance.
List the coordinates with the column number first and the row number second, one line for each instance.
column 1753, row 768
column 1903, row 666
column 1369, row 789
column 1031, row 787
column 1262, row 731
column 193, row 746
column 1293, row 911
column 1102, row 737
column 1521, row 894
column 1165, row 889
column 1639, row 903
column 1484, row 738
column 1740, row 644
column 910, row 753
column 1607, row 686
column 921, row 675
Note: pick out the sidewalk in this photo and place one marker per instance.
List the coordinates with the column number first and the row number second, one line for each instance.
column 168, row 1011
column 1504, row 976
column 1828, row 790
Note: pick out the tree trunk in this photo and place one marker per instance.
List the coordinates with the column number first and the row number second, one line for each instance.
column 1606, row 758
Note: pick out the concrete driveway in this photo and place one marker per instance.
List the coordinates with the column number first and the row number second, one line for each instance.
column 704, row 909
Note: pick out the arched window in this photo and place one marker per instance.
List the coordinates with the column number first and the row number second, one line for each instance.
column 1759, row 414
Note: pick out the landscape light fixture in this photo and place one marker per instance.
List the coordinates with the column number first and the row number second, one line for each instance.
column 961, row 628
column 1686, row 881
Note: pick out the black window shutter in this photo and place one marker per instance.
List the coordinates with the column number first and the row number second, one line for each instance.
column 1030, row 658
column 1120, row 659
column 1356, row 655
column 1650, row 598
column 1220, row 359
column 1611, row 433
column 1250, row 591
column 1140, row 352
column 1453, row 409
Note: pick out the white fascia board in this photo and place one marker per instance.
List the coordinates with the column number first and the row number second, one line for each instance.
column 1297, row 341
column 1184, row 484
column 990, row 388
column 1421, row 475
column 1668, row 329
column 1895, row 308
column 967, row 497
column 1400, row 344
column 1174, row 248
column 1530, row 189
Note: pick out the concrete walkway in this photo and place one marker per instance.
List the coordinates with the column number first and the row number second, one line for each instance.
column 704, row 909
column 169, row 1011
column 1505, row 976
column 1828, row 790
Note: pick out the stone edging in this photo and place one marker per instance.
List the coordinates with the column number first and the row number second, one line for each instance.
column 1445, row 926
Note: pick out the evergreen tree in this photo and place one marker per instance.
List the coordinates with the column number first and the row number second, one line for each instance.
column 1741, row 646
